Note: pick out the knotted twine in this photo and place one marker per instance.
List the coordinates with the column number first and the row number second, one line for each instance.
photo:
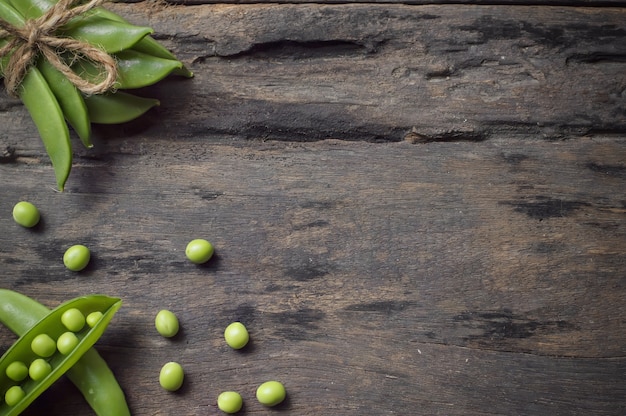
column 37, row 36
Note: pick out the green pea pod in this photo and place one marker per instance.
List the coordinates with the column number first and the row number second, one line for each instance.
column 70, row 99
column 45, row 111
column 147, row 45
column 135, row 69
column 118, row 107
column 52, row 326
column 31, row 9
column 91, row 374
column 110, row 35
column 113, row 35
column 10, row 15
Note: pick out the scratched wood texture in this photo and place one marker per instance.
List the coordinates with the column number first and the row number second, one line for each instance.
column 416, row 210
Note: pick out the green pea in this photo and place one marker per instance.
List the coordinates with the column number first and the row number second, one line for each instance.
column 17, row 371
column 271, row 393
column 67, row 342
column 43, row 345
column 93, row 318
column 236, row 335
column 76, row 257
column 166, row 323
column 229, row 402
column 73, row 319
column 171, row 376
column 199, row 251
column 26, row 214
column 39, row 369
column 14, row 395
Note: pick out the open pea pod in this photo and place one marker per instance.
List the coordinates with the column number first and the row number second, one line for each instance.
column 118, row 107
column 52, row 325
column 91, row 374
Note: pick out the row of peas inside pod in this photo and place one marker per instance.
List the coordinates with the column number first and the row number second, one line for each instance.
column 52, row 99
column 60, row 342
column 171, row 377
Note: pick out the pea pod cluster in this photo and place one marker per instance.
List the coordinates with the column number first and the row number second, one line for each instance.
column 54, row 102
column 58, row 343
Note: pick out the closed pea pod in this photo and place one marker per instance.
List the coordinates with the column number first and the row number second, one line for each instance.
column 147, row 45
column 58, row 363
column 90, row 374
column 116, row 108
column 70, row 100
column 112, row 36
column 44, row 109
column 46, row 113
column 135, row 69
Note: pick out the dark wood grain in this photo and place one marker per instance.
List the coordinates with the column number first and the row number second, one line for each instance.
column 457, row 278
column 415, row 209
column 382, row 72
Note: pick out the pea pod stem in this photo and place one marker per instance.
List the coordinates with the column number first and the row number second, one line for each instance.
column 91, row 374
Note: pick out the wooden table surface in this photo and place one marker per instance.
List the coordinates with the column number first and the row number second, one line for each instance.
column 417, row 209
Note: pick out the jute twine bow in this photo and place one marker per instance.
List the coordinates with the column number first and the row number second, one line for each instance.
column 37, row 36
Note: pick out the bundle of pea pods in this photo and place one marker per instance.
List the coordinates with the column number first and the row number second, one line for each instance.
column 53, row 102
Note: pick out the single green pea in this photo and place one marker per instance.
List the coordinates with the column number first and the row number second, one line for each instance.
column 236, row 335
column 271, row 393
column 26, row 214
column 93, row 318
column 43, row 345
column 229, row 402
column 171, row 376
column 199, row 251
column 17, row 371
column 73, row 319
column 76, row 257
column 14, row 395
column 166, row 323
column 67, row 342
column 39, row 369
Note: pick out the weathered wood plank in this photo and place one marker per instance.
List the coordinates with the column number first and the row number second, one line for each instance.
column 368, row 72
column 472, row 268
column 454, row 278
column 569, row 3
column 384, row 73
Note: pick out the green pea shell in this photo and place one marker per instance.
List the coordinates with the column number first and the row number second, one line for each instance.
column 11, row 15
column 118, row 107
column 46, row 113
column 70, row 100
column 112, row 36
column 52, row 325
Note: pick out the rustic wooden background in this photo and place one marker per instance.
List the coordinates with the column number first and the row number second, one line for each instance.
column 416, row 208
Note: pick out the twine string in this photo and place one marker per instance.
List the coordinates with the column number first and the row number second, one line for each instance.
column 37, row 37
